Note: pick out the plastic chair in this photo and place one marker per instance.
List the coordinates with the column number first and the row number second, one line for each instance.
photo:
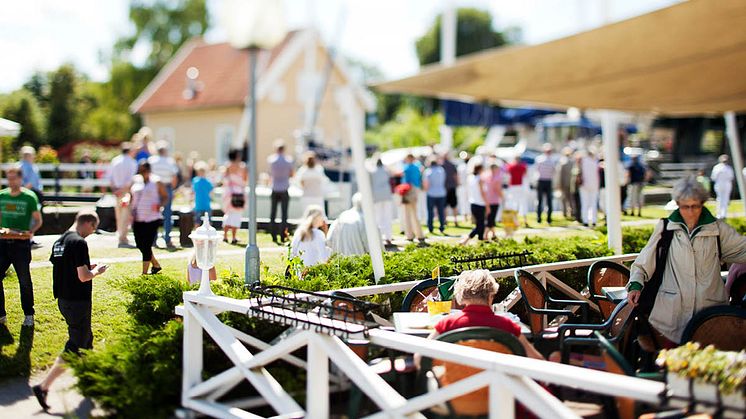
column 414, row 300
column 615, row 330
column 605, row 274
column 537, row 300
column 475, row 403
column 721, row 326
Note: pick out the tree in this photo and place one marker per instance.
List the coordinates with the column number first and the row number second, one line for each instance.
column 62, row 123
column 21, row 106
column 474, row 33
column 164, row 26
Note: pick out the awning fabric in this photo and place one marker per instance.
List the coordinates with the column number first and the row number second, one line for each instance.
column 9, row 128
column 687, row 59
column 477, row 114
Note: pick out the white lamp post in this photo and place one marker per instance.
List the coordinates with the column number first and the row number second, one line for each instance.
column 205, row 240
column 253, row 25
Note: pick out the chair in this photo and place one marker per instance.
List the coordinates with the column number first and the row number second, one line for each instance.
column 537, row 300
column 414, row 301
column 720, row 326
column 475, row 403
column 605, row 274
column 623, row 407
column 615, row 330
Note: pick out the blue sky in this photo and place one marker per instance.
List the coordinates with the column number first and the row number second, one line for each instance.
column 42, row 34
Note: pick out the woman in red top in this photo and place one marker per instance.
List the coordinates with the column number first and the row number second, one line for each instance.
column 475, row 291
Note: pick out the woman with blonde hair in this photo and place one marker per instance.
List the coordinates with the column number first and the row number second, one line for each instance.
column 309, row 241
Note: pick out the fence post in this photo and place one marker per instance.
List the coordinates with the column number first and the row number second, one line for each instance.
column 57, row 180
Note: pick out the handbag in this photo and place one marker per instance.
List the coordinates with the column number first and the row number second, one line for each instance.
column 237, row 200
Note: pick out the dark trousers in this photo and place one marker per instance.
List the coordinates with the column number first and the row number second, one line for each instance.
column 576, row 199
column 544, row 191
column 77, row 315
column 477, row 211
column 145, row 234
column 436, row 204
column 282, row 198
column 17, row 253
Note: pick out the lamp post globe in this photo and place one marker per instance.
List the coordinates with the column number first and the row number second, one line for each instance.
column 205, row 240
column 253, row 25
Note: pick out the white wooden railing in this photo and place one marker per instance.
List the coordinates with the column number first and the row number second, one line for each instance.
column 508, row 377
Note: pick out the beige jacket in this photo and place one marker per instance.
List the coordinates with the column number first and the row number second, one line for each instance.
column 691, row 280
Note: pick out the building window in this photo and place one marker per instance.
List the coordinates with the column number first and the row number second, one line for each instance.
column 224, row 135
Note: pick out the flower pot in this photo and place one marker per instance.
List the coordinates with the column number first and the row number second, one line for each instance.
column 735, row 404
column 678, row 388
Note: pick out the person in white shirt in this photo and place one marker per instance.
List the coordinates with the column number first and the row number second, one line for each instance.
column 165, row 168
column 309, row 242
column 722, row 178
column 311, row 178
column 121, row 172
column 589, row 189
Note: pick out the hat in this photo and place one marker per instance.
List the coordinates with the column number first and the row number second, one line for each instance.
column 27, row 149
column 161, row 145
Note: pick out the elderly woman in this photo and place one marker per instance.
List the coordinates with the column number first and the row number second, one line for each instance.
column 475, row 291
column 691, row 277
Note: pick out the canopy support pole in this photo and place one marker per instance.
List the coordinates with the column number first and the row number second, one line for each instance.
column 355, row 116
column 736, row 152
column 609, row 128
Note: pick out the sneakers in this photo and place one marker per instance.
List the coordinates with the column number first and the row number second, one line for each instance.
column 125, row 246
column 28, row 321
column 41, row 397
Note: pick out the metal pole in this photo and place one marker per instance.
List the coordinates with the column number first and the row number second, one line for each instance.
column 731, row 130
column 251, row 268
column 609, row 127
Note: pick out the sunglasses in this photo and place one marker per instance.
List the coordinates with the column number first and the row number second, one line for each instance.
column 694, row 207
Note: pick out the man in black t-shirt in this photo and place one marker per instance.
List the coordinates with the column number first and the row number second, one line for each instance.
column 72, row 273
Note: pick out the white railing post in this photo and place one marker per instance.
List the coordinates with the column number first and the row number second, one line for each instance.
column 317, row 380
column 192, row 361
column 502, row 401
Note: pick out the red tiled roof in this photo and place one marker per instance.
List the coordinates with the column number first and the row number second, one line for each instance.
column 223, row 78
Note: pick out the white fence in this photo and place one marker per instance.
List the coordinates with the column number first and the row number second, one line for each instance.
column 508, row 377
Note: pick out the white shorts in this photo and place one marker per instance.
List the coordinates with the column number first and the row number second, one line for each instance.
column 232, row 219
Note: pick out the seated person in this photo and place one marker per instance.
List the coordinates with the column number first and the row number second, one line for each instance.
column 475, row 291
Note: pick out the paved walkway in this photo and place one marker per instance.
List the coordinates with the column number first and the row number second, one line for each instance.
column 18, row 402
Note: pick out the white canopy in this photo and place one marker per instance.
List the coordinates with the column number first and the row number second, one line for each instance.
column 9, row 128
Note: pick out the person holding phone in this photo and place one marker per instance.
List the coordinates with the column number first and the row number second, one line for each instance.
column 72, row 273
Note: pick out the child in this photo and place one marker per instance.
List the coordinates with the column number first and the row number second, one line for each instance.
column 202, row 188
column 309, row 240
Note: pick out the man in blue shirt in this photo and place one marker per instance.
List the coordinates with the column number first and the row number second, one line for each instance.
column 30, row 171
column 412, row 175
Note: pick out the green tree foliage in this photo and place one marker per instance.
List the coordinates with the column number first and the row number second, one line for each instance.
column 62, row 123
column 409, row 128
column 164, row 26
column 21, row 106
column 474, row 33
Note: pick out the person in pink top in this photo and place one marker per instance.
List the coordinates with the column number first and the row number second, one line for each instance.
column 493, row 181
column 148, row 195
column 516, row 193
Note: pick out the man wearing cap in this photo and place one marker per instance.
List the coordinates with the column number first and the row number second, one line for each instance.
column 122, row 171
column 18, row 208
column 164, row 166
